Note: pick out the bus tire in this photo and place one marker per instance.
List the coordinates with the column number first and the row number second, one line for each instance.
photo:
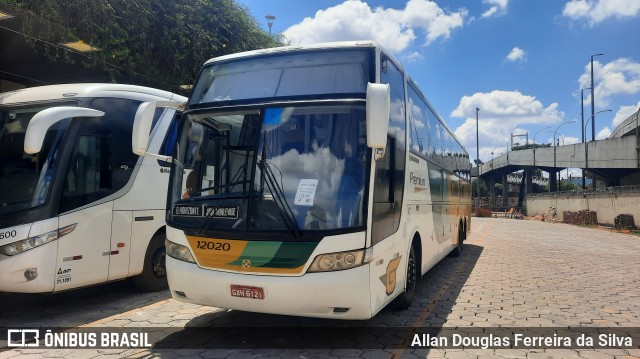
column 404, row 300
column 457, row 251
column 154, row 273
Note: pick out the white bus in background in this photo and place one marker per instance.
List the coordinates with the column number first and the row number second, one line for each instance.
column 77, row 207
column 310, row 180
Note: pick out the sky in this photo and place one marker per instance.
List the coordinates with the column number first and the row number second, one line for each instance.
column 523, row 63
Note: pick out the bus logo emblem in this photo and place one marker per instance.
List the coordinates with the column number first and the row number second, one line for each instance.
column 389, row 279
column 246, row 263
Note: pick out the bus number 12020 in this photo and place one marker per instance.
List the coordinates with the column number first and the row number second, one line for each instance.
column 216, row 246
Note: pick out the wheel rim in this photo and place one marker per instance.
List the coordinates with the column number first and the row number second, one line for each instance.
column 158, row 263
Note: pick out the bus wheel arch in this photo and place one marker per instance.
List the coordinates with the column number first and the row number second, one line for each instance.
column 413, row 275
column 154, row 273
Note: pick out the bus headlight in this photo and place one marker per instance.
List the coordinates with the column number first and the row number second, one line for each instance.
column 337, row 261
column 24, row 245
column 178, row 252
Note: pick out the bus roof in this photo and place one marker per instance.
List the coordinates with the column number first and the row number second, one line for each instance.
column 80, row 90
column 318, row 46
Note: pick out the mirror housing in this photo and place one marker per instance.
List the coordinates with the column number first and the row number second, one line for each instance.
column 378, row 109
column 41, row 121
column 142, row 126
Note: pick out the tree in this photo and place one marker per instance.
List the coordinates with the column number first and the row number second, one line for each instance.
column 165, row 41
column 568, row 186
column 484, row 192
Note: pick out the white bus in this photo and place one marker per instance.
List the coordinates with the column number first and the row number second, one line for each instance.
column 77, row 207
column 311, row 181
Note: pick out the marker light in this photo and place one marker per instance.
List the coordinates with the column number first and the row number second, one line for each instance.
column 178, row 252
column 337, row 261
column 24, row 245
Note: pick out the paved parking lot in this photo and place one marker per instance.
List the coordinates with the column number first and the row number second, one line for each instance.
column 513, row 273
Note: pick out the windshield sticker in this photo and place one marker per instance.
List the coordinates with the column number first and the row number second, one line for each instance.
column 306, row 192
column 187, row 211
column 221, row 212
column 272, row 116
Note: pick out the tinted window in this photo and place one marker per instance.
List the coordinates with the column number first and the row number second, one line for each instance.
column 102, row 161
column 389, row 176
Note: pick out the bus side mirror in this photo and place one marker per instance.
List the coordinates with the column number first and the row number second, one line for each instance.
column 378, row 109
column 41, row 121
column 142, row 127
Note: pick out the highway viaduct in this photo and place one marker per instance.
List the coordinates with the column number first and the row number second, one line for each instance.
column 611, row 162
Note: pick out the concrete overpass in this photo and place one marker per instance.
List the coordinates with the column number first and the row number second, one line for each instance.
column 611, row 162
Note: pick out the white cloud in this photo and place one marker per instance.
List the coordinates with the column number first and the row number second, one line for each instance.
column 414, row 56
column 623, row 113
column 596, row 11
column 501, row 113
column 603, row 134
column 498, row 7
column 516, row 54
column 621, row 76
column 395, row 29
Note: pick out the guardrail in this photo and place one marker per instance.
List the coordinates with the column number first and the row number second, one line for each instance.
column 617, row 189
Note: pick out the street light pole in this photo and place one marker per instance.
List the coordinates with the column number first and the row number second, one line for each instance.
column 586, row 148
column 582, row 128
column 534, row 144
column 270, row 19
column 554, row 144
column 593, row 124
column 477, row 139
column 582, row 108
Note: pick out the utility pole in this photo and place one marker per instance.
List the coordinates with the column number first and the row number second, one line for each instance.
column 477, row 139
column 593, row 122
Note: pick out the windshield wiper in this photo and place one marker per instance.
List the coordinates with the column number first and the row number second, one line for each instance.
column 267, row 176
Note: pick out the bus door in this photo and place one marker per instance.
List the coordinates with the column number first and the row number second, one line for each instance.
column 388, row 257
column 83, row 254
column 389, row 247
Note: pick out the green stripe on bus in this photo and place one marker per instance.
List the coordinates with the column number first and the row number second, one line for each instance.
column 292, row 255
column 258, row 253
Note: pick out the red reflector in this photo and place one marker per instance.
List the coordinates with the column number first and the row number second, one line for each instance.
column 115, row 252
column 120, row 245
column 75, row 258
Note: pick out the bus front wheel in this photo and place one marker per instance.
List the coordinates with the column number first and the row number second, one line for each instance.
column 154, row 273
column 404, row 300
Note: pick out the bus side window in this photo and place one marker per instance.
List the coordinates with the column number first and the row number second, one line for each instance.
column 89, row 176
column 384, row 195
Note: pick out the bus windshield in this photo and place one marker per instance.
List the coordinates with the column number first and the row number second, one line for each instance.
column 328, row 73
column 298, row 168
column 27, row 176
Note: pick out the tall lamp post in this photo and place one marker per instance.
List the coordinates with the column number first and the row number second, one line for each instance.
column 582, row 109
column 534, row 144
column 586, row 148
column 270, row 19
column 477, row 139
column 593, row 124
column 582, row 128
column 554, row 143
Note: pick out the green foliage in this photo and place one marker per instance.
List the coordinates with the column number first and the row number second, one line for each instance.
column 563, row 186
column 164, row 41
column 475, row 184
column 568, row 186
column 530, row 145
